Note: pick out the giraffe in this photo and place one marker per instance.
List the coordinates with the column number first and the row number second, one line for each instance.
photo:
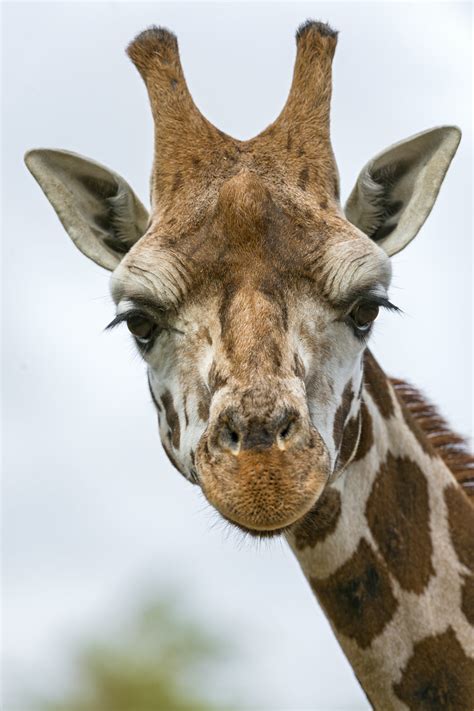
column 251, row 295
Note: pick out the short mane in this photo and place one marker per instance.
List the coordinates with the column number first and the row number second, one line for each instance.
column 451, row 447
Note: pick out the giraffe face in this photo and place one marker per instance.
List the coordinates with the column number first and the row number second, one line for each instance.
column 254, row 357
column 249, row 292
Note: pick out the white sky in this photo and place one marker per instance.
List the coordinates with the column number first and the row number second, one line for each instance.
column 93, row 513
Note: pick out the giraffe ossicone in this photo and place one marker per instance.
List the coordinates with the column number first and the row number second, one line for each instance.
column 251, row 296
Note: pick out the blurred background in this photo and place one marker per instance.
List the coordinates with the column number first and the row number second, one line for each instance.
column 121, row 588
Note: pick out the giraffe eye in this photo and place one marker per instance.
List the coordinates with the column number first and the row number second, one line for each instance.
column 363, row 315
column 141, row 327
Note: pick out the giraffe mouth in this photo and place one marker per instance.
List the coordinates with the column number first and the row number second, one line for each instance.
column 259, row 533
column 263, row 493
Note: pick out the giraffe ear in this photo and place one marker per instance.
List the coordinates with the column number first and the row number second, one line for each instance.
column 97, row 208
column 396, row 190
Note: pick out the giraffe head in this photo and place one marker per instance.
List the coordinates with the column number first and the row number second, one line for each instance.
column 249, row 292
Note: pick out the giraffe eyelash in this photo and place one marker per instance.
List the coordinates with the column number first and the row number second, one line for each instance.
column 384, row 303
column 367, row 297
column 380, row 301
column 121, row 318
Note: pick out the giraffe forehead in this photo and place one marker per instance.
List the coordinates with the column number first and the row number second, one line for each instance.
column 250, row 236
column 244, row 283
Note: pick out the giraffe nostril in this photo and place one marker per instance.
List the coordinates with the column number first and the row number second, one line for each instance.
column 285, row 431
column 235, row 433
column 229, row 438
column 287, row 427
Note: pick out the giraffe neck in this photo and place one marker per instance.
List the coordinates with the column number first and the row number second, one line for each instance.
column 389, row 553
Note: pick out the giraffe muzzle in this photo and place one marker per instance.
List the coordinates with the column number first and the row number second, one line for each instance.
column 262, row 473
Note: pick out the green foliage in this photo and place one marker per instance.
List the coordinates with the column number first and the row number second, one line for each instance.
column 156, row 662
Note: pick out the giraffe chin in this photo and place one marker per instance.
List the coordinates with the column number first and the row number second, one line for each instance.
column 263, row 493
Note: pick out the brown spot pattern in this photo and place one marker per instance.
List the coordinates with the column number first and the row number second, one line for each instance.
column 366, row 439
column 398, row 515
column 461, row 524
column 204, row 403
column 320, row 521
column 216, row 379
column 377, row 384
column 439, row 676
column 467, row 598
column 171, row 418
column 341, row 414
column 358, row 597
column 349, row 439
